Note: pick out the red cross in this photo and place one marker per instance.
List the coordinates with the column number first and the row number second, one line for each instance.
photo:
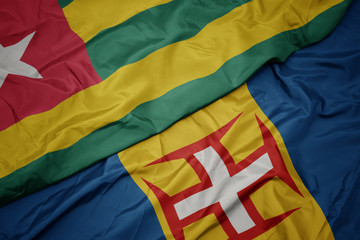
column 243, row 223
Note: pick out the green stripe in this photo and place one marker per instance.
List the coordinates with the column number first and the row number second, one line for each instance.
column 147, row 32
column 64, row 3
column 153, row 117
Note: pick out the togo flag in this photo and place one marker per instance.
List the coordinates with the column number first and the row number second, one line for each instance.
column 277, row 158
column 82, row 80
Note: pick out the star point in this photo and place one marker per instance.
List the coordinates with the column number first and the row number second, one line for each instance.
column 10, row 62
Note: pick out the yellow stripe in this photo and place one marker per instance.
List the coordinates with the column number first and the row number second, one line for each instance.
column 243, row 138
column 151, row 77
column 88, row 17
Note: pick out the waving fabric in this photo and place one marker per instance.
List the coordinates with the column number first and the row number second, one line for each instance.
column 82, row 81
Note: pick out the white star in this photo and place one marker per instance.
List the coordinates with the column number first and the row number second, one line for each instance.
column 10, row 60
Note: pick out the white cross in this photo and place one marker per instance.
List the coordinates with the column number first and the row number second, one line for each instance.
column 224, row 188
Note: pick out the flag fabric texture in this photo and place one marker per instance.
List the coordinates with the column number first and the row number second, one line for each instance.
column 94, row 78
column 262, row 162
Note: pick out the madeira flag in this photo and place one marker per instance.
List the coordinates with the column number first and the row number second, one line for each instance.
column 276, row 158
